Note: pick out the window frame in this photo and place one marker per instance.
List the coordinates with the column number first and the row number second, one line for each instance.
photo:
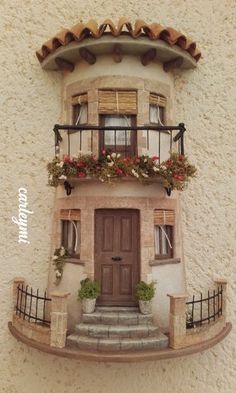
column 128, row 150
column 169, row 229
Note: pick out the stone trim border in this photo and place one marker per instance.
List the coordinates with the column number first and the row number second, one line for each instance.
column 124, row 357
column 161, row 262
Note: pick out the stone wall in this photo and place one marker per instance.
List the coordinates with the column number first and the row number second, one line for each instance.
column 31, row 104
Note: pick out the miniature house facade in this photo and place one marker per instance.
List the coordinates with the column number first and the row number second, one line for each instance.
column 118, row 104
column 137, row 223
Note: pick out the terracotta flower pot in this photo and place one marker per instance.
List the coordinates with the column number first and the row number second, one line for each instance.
column 145, row 306
column 88, row 305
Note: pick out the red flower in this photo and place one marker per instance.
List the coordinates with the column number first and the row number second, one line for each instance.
column 178, row 177
column 181, row 157
column 81, row 164
column 103, row 152
column 119, row 171
column 169, row 163
column 67, row 159
column 82, row 174
column 155, row 158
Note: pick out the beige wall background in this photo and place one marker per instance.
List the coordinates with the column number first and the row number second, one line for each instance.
column 30, row 102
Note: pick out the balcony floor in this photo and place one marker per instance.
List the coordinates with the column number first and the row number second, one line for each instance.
column 124, row 356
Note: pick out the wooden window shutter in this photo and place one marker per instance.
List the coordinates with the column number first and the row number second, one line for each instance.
column 70, row 214
column 164, row 217
column 157, row 100
column 117, row 102
column 80, row 99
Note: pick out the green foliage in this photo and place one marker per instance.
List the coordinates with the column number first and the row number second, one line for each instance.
column 89, row 289
column 145, row 291
column 59, row 257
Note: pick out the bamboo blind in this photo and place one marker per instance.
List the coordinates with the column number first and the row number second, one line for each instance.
column 70, row 214
column 117, row 101
column 157, row 100
column 80, row 99
column 164, row 217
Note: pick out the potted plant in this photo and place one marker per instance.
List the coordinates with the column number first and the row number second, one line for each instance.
column 144, row 293
column 88, row 294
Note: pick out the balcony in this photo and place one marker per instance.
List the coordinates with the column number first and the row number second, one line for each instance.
column 194, row 326
column 152, row 140
column 128, row 146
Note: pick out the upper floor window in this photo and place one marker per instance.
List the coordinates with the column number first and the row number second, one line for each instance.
column 159, row 141
column 76, row 140
column 164, row 233
column 70, row 231
column 118, row 109
column 156, row 109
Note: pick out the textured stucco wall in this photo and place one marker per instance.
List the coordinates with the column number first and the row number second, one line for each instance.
column 30, row 105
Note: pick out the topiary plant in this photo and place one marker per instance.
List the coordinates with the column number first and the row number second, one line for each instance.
column 145, row 291
column 89, row 289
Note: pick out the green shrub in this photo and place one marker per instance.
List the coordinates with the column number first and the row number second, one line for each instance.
column 145, row 291
column 89, row 289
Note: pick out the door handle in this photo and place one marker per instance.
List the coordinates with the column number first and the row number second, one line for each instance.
column 116, row 258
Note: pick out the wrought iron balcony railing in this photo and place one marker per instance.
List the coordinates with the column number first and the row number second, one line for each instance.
column 154, row 139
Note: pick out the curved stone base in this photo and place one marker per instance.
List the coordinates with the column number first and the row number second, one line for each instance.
column 122, row 356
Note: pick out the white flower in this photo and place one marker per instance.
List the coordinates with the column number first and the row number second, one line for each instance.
column 135, row 173
column 55, row 257
column 144, row 174
column 145, row 160
column 108, row 157
column 113, row 155
column 62, row 177
column 108, row 175
column 62, row 251
column 58, row 274
column 50, row 177
column 118, row 155
column 156, row 169
column 110, row 163
column 61, row 164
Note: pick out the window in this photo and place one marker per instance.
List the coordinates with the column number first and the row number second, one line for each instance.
column 118, row 109
column 70, row 231
column 159, row 142
column 163, row 233
column 77, row 140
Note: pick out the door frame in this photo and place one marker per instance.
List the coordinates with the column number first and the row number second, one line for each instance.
column 138, row 265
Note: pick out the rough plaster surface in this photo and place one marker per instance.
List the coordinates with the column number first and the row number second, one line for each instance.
column 30, row 105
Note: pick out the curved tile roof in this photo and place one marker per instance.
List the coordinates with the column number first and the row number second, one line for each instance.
column 153, row 31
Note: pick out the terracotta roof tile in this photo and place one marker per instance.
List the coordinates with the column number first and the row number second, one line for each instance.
column 91, row 29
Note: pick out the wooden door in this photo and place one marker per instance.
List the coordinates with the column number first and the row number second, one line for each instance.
column 117, row 255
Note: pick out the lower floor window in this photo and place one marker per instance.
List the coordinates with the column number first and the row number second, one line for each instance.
column 164, row 221
column 70, row 232
column 163, row 241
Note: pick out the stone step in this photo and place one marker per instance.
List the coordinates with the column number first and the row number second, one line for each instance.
column 117, row 309
column 114, row 331
column 117, row 318
column 160, row 341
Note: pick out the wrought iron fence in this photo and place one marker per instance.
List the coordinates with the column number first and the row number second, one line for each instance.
column 204, row 310
column 31, row 306
column 95, row 138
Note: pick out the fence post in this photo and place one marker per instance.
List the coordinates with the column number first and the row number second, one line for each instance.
column 59, row 319
column 222, row 282
column 177, row 321
column 17, row 281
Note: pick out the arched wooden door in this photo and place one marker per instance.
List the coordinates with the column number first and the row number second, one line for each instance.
column 117, row 255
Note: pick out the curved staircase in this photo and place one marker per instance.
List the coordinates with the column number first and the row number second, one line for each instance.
column 117, row 329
